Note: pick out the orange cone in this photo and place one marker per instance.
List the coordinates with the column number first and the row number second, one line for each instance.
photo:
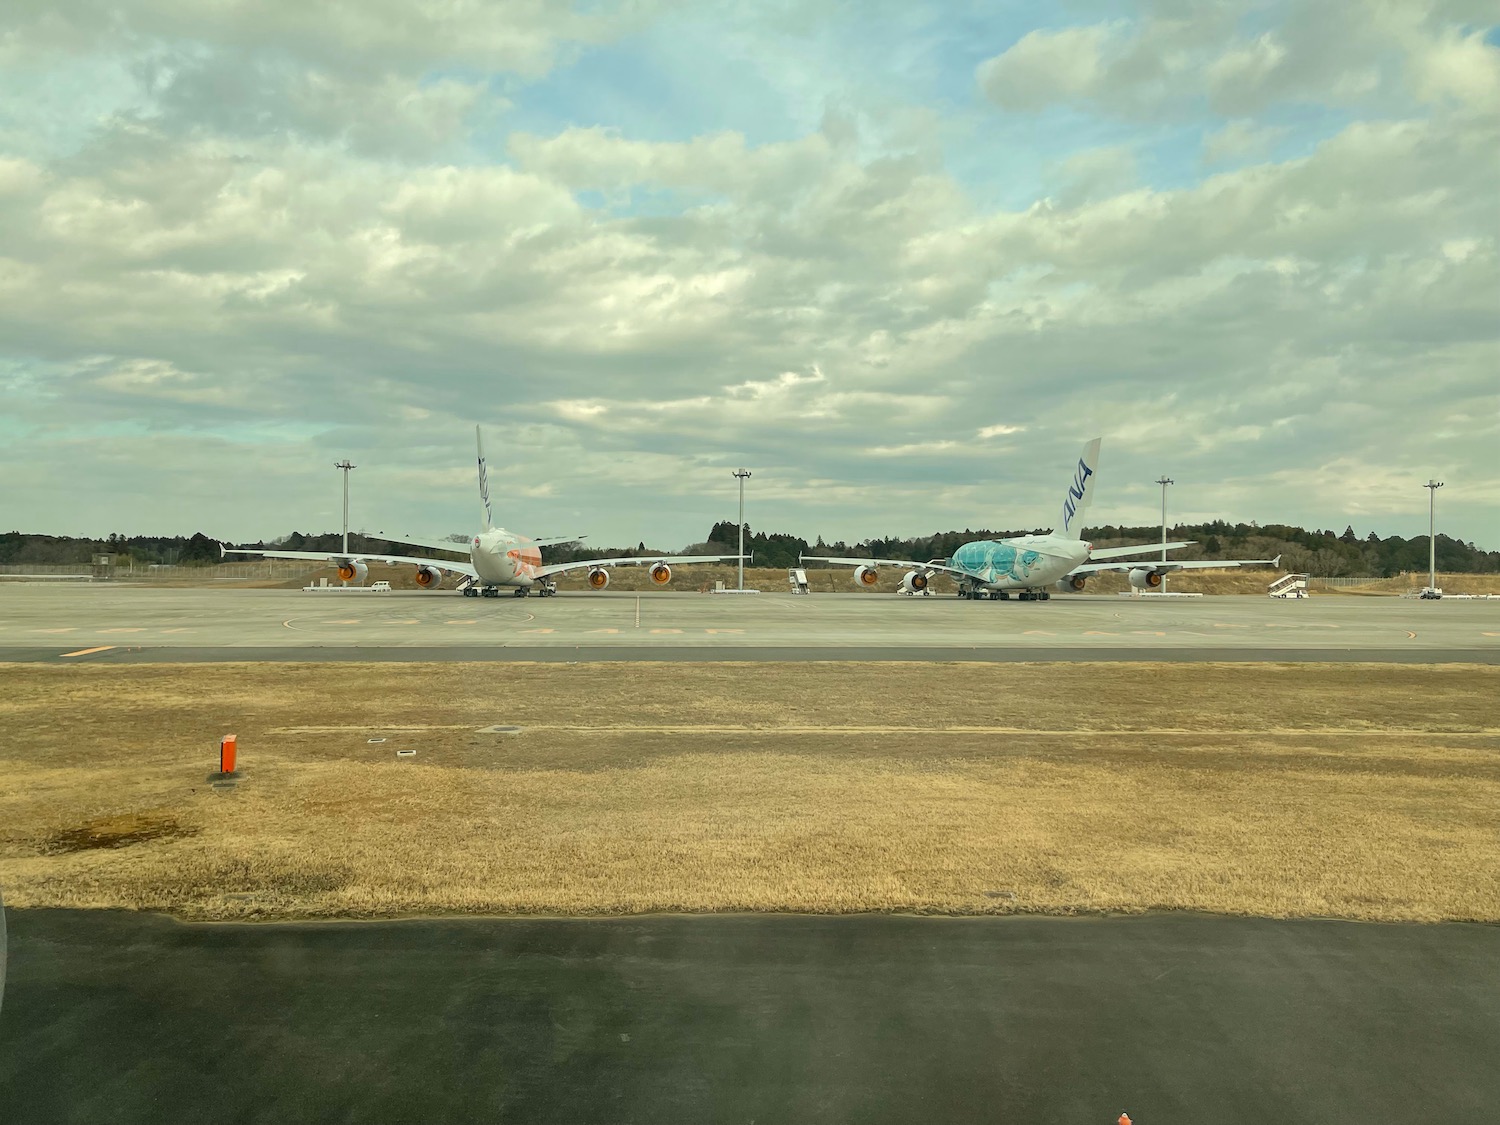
column 1124, row 1119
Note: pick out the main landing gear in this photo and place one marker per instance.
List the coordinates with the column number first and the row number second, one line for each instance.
column 543, row 589
column 1004, row 595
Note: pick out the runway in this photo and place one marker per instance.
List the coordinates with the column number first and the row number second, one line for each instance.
column 104, row 623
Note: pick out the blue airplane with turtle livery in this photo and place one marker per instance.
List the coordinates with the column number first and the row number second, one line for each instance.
column 1031, row 566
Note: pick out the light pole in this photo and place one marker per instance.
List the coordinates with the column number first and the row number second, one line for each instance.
column 1432, row 486
column 1164, row 480
column 346, row 466
column 741, row 474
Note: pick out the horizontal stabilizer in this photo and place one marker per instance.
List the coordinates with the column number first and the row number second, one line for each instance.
column 1143, row 549
column 458, row 548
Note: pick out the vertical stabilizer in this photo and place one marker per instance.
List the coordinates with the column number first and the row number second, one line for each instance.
column 1080, row 492
column 484, row 480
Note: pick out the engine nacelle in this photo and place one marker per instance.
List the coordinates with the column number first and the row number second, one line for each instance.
column 661, row 574
column 1143, row 578
column 1073, row 585
column 866, row 576
column 914, row 582
column 429, row 578
column 353, row 570
column 598, row 578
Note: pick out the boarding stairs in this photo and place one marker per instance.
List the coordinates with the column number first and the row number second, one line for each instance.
column 797, row 577
column 1288, row 586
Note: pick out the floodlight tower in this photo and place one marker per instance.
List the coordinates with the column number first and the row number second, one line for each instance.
column 1432, row 486
column 741, row 474
column 1164, row 480
column 345, row 466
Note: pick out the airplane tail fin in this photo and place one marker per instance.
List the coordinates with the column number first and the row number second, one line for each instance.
column 1080, row 492
column 484, row 481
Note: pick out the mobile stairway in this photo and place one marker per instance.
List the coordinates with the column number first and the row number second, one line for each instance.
column 1289, row 586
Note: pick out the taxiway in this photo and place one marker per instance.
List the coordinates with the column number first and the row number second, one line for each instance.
column 122, row 623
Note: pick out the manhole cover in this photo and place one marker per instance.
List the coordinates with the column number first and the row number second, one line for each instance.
column 500, row 729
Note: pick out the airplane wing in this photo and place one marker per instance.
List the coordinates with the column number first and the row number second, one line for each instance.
column 334, row 558
column 1143, row 549
column 1169, row 567
column 644, row 560
column 906, row 564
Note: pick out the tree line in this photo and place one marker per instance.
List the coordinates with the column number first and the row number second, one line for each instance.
column 1315, row 552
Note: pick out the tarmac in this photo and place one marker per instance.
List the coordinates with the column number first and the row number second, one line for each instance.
column 134, row 1018
column 120, row 623
column 123, row 1017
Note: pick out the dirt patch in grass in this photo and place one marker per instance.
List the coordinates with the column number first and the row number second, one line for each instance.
column 1360, row 791
column 118, row 831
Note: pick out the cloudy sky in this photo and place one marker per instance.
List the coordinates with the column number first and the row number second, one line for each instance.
column 901, row 259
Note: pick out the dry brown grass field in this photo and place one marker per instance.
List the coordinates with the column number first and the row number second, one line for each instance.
column 1367, row 792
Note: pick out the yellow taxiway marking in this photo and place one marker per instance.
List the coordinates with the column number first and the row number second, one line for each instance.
column 176, row 630
column 604, row 630
column 1483, row 634
column 1410, row 635
column 140, row 629
column 1038, row 633
column 1147, row 633
column 1098, row 633
column 740, row 631
column 351, row 621
column 666, row 630
column 1218, row 625
column 405, row 621
column 468, row 621
column 538, row 630
column 87, row 651
column 74, row 629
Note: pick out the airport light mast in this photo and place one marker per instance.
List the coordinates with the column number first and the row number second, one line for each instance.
column 1432, row 486
column 1164, row 480
column 345, row 466
column 741, row 474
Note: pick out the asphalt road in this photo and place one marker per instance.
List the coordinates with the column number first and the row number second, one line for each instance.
column 104, row 623
column 556, row 654
column 123, row 1018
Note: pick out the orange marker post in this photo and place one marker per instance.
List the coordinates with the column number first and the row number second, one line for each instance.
column 227, row 747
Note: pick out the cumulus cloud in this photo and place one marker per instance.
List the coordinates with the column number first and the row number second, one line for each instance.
column 276, row 250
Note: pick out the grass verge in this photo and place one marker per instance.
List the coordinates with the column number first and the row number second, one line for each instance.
column 1367, row 792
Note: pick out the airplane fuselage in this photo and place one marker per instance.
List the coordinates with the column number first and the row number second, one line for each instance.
column 502, row 558
column 1025, row 562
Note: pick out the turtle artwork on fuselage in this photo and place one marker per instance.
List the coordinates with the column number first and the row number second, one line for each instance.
column 992, row 560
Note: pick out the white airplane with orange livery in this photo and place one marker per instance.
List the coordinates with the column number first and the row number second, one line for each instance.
column 497, row 558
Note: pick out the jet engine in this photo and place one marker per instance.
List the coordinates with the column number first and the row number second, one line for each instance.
column 353, row 570
column 914, row 582
column 429, row 577
column 1144, row 578
column 1072, row 585
column 866, row 576
column 598, row 578
column 661, row 574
